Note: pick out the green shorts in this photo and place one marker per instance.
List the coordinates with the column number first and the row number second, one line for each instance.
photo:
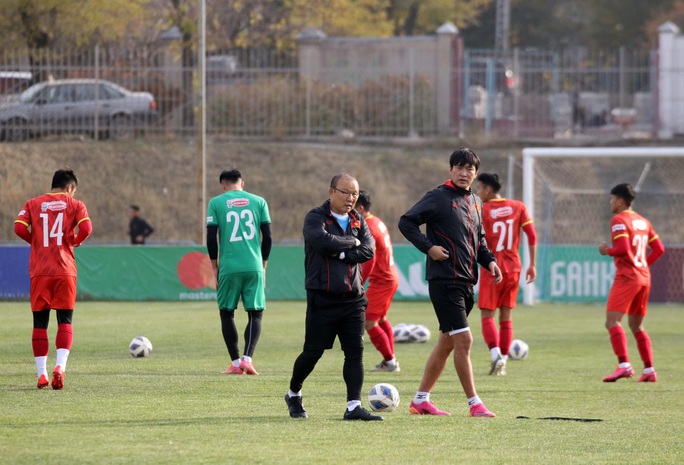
column 249, row 286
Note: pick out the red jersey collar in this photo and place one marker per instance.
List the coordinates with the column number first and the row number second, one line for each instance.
column 453, row 186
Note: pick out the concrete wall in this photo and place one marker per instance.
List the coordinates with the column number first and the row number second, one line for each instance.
column 345, row 59
column 670, row 81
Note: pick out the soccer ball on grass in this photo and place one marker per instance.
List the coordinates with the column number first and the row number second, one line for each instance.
column 383, row 397
column 140, row 347
column 419, row 333
column 518, row 350
column 402, row 332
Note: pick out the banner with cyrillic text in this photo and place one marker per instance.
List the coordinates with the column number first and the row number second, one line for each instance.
column 156, row 273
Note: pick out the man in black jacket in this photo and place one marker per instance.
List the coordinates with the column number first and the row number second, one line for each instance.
column 138, row 228
column 336, row 242
column 454, row 242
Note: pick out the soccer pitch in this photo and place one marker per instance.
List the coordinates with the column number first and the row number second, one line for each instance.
column 175, row 407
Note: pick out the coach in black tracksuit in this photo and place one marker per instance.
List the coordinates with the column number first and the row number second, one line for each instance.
column 455, row 245
column 336, row 242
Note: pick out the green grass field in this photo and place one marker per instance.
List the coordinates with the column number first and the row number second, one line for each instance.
column 175, row 408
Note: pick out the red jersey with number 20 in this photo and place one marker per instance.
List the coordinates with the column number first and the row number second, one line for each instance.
column 632, row 267
column 502, row 220
column 53, row 219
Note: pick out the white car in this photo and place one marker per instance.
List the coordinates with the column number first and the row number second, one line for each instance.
column 74, row 106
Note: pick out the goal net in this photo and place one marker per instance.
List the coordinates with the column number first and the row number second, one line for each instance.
column 567, row 191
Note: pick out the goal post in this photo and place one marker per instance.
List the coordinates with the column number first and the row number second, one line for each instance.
column 566, row 191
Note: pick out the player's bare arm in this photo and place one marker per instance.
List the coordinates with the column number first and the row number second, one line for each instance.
column 496, row 272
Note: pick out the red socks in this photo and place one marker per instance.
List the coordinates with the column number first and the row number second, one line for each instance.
column 490, row 333
column 501, row 338
column 644, row 346
column 505, row 336
column 39, row 342
column 65, row 336
column 618, row 340
column 380, row 341
column 389, row 331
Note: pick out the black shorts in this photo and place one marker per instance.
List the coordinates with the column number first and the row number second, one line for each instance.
column 452, row 303
column 330, row 315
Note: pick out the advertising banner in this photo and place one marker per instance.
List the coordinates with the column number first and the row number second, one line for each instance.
column 14, row 274
column 154, row 273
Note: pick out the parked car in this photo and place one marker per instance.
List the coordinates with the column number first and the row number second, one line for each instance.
column 87, row 106
column 14, row 82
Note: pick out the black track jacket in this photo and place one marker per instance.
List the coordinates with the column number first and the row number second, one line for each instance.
column 324, row 241
column 453, row 219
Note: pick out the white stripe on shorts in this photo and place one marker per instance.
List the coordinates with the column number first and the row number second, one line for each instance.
column 456, row 331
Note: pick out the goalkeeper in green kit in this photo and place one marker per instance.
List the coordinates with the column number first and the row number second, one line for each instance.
column 239, row 243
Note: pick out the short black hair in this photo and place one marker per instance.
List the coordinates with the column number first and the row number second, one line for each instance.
column 364, row 200
column 335, row 179
column 62, row 178
column 491, row 180
column 135, row 207
column 232, row 176
column 625, row 192
column 464, row 156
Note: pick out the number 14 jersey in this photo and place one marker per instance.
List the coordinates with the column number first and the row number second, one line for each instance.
column 53, row 219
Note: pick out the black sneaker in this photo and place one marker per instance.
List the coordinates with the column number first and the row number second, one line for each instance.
column 360, row 413
column 294, row 404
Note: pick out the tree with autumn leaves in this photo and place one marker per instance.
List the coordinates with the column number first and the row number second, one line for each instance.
column 274, row 24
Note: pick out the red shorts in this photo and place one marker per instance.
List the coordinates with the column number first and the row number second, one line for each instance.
column 631, row 299
column 505, row 294
column 53, row 292
column 379, row 299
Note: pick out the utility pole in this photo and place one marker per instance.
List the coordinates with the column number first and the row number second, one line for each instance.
column 202, row 127
column 503, row 24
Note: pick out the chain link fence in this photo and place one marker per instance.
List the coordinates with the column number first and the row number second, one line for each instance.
column 519, row 95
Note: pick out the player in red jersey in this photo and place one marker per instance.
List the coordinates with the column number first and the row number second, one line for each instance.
column 502, row 219
column 383, row 278
column 632, row 235
column 49, row 222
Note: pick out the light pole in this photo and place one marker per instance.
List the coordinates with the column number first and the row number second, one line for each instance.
column 503, row 24
column 202, row 116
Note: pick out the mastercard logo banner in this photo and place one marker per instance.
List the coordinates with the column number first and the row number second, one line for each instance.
column 195, row 272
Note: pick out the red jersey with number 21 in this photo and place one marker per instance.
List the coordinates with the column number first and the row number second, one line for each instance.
column 632, row 267
column 53, row 219
column 502, row 220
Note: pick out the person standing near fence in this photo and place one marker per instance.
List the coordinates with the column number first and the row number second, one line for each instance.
column 631, row 236
column 239, row 244
column 383, row 280
column 138, row 228
column 336, row 242
column 502, row 219
column 454, row 242
column 53, row 224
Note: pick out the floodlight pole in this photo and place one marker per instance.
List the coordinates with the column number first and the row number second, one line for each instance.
column 503, row 24
column 202, row 133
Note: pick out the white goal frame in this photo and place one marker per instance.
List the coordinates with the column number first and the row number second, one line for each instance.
column 532, row 154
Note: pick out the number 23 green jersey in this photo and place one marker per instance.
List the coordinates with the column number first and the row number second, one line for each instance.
column 238, row 215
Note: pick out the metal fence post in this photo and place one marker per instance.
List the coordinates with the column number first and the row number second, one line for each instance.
column 96, row 134
column 412, row 130
column 491, row 96
column 466, row 94
column 307, row 110
column 516, row 92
